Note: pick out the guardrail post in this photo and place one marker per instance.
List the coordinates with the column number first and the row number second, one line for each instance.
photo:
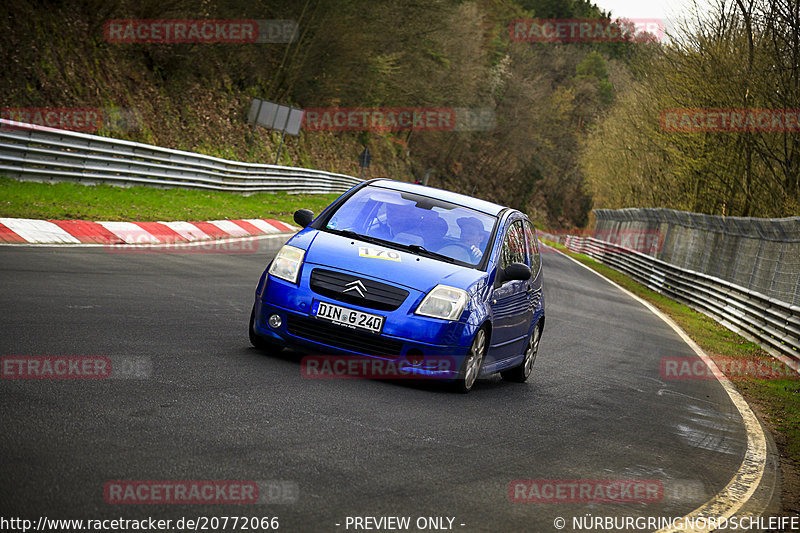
column 755, row 264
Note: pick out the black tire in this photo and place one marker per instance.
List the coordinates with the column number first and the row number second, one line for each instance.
column 257, row 340
column 521, row 373
column 471, row 368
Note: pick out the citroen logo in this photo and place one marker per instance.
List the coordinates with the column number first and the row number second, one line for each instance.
column 356, row 286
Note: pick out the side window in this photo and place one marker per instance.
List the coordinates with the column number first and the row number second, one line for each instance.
column 514, row 249
column 533, row 248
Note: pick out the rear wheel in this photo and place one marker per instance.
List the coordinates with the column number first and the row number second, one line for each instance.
column 472, row 362
column 257, row 340
column 521, row 373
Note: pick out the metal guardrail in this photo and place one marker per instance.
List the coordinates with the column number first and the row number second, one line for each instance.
column 770, row 322
column 39, row 153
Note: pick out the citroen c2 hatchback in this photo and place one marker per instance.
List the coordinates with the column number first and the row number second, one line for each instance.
column 444, row 285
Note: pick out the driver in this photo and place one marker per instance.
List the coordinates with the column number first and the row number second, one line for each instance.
column 472, row 236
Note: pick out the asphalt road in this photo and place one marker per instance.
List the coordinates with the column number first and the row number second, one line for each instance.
column 213, row 408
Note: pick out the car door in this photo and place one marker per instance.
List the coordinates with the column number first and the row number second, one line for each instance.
column 535, row 262
column 510, row 302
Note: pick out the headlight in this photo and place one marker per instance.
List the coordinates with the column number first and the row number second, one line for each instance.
column 286, row 264
column 443, row 302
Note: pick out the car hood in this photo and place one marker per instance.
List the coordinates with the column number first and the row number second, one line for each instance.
column 385, row 263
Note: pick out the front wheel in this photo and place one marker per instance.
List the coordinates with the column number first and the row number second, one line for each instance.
column 472, row 363
column 521, row 373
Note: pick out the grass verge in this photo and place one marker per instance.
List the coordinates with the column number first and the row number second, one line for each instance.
column 73, row 201
column 777, row 400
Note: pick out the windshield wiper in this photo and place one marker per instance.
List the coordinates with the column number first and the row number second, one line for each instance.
column 355, row 235
column 421, row 250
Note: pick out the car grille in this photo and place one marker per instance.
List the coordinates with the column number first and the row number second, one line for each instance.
column 376, row 295
column 342, row 337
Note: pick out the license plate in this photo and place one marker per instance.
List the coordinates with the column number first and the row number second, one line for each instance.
column 344, row 316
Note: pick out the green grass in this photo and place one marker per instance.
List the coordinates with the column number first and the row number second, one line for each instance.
column 778, row 400
column 73, row 201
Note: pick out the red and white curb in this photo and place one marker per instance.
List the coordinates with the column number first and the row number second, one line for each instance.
column 30, row 231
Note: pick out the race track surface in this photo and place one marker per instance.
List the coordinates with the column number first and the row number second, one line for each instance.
column 214, row 408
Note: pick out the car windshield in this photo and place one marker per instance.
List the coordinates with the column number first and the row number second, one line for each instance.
column 415, row 222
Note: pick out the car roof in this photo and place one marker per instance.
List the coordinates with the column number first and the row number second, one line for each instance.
column 452, row 197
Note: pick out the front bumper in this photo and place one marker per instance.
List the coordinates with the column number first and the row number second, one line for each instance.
column 421, row 346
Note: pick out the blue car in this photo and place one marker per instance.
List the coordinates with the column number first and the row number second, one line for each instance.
column 442, row 285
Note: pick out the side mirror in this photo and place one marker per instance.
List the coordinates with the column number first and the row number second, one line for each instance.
column 516, row 272
column 304, row 217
